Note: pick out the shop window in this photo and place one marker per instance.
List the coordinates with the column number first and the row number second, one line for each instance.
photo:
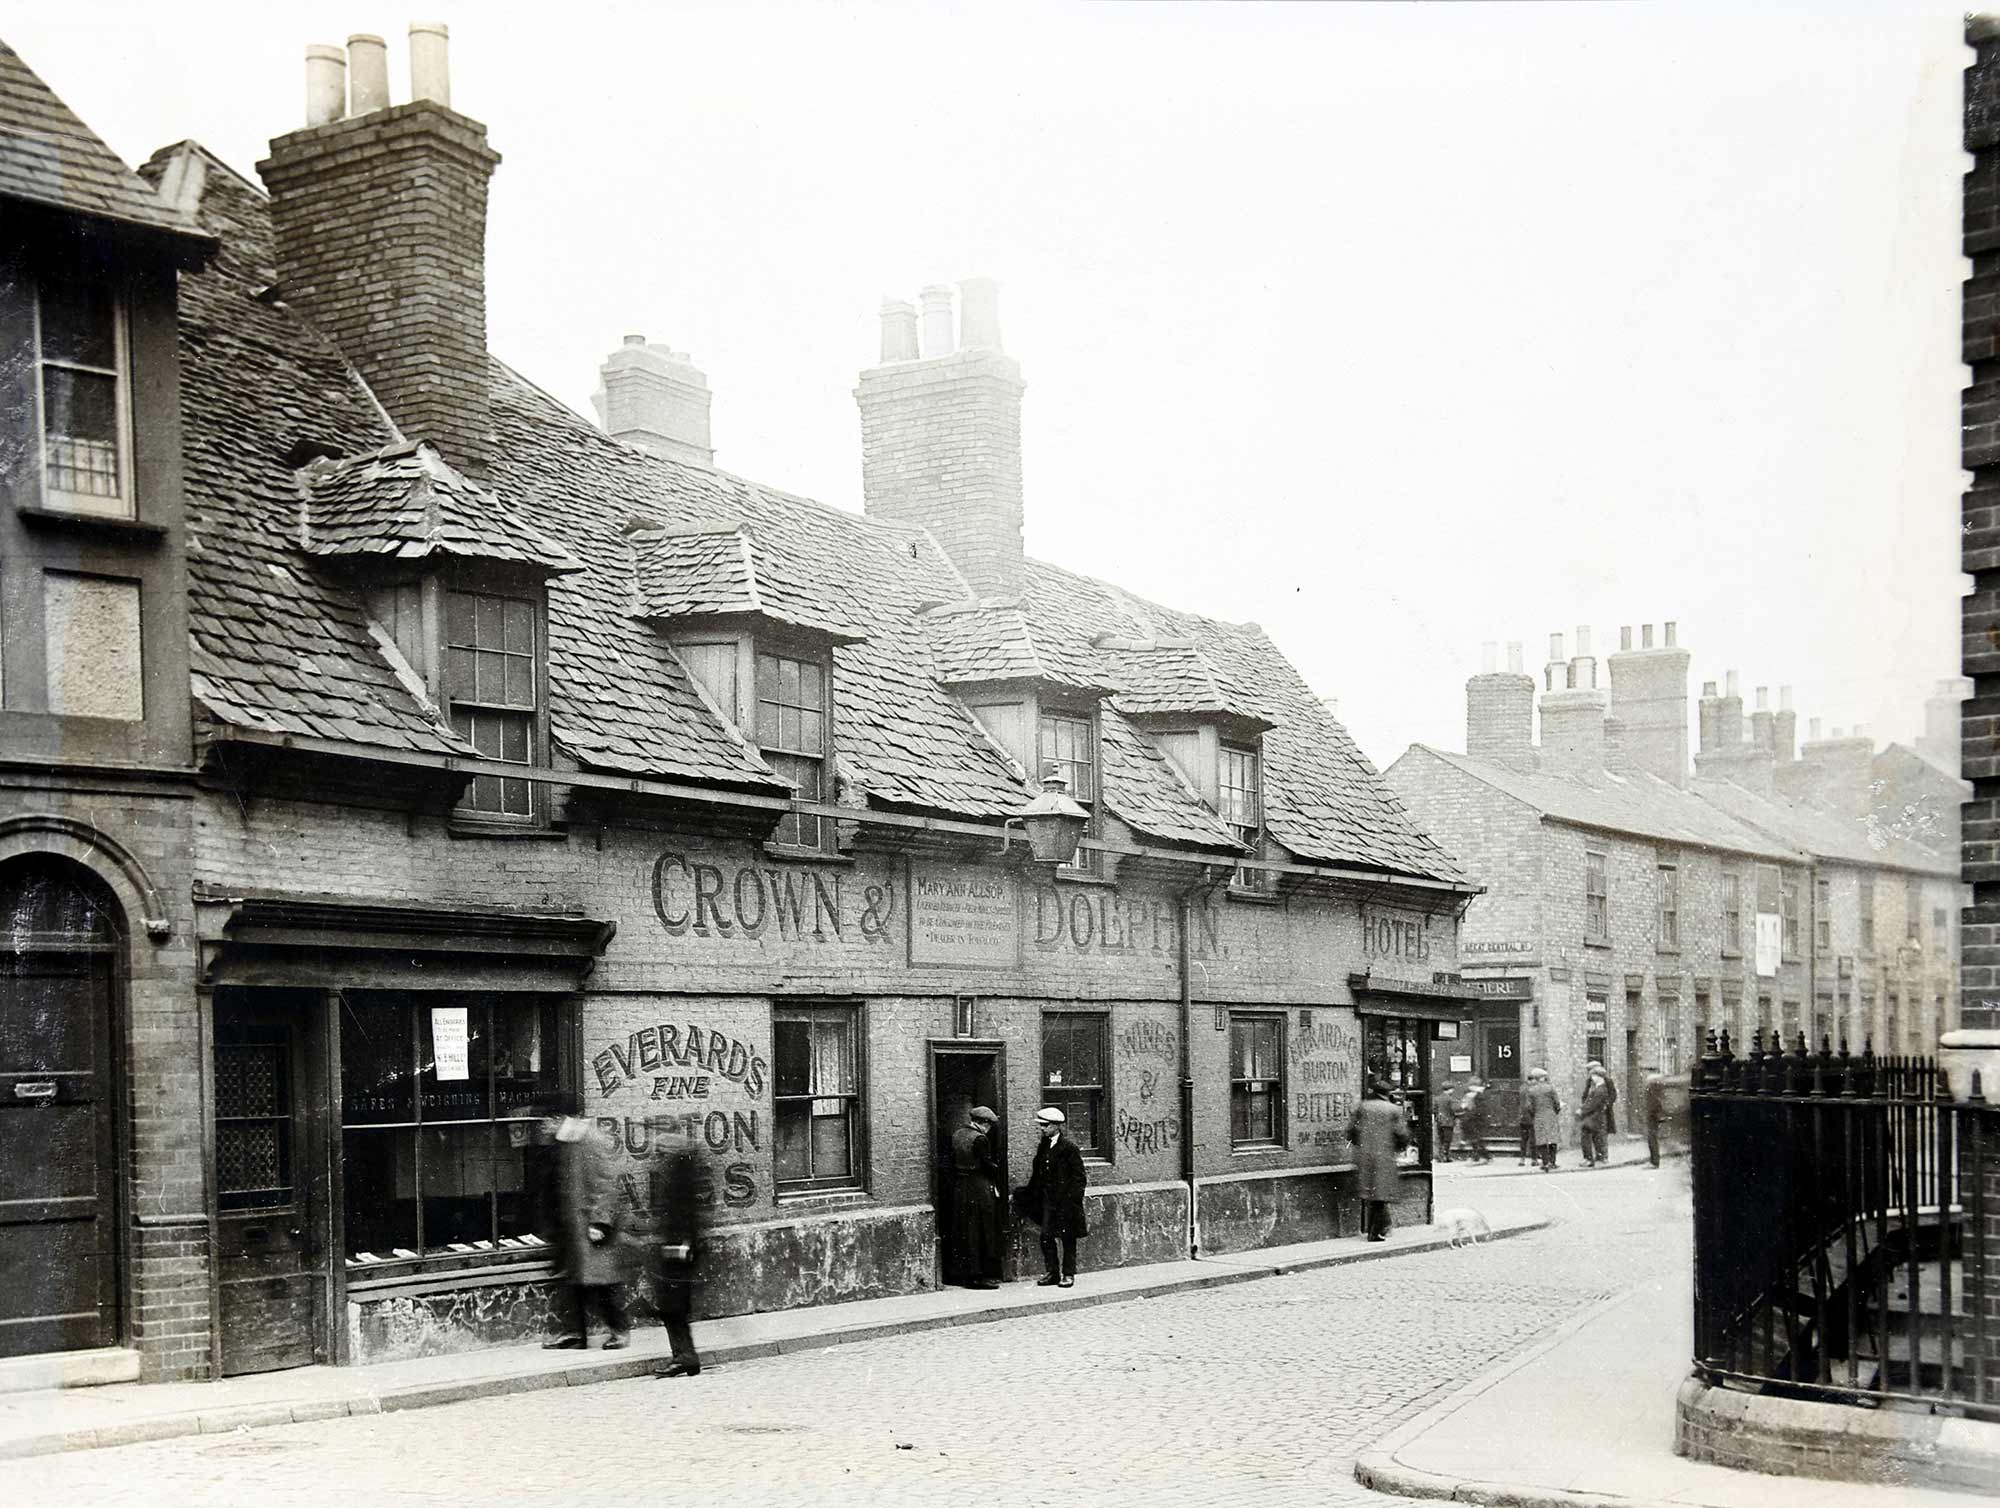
column 83, row 390
column 816, row 1072
column 1866, row 907
column 1732, row 913
column 1788, row 900
column 440, row 1099
column 1068, row 741
column 1241, row 806
column 1596, row 899
column 1823, row 916
column 1256, row 1081
column 253, row 1120
column 1075, row 1050
column 1670, row 909
column 491, row 683
column 1392, row 1053
column 792, row 718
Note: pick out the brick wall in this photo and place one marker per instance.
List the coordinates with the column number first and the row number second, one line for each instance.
column 381, row 240
column 941, row 449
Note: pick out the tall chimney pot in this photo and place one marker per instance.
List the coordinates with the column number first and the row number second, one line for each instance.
column 1624, row 638
column 1514, row 658
column 326, row 84
column 1645, row 636
column 1763, row 698
column 1784, row 699
column 1812, row 729
column 1731, row 681
column 899, row 330
column 430, row 62
column 367, row 74
column 979, row 315
column 1671, row 632
column 938, row 340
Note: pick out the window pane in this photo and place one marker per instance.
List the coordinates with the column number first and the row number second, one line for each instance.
column 79, row 324
column 793, row 1149
column 831, row 1151
column 767, row 678
column 377, row 1078
column 460, row 1175
column 513, row 737
column 489, row 634
column 80, row 425
column 515, row 798
column 459, row 674
column 788, row 681
column 791, row 1053
column 812, row 732
column 455, row 1099
column 381, row 1183
column 833, row 1055
column 525, row 1034
column 461, row 610
column 519, row 634
column 519, row 690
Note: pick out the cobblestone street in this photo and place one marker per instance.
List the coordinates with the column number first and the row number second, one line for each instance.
column 1259, row 1391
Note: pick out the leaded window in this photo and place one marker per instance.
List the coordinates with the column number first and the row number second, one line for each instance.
column 82, row 389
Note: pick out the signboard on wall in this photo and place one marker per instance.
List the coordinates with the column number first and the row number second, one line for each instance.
column 1770, row 943
column 962, row 918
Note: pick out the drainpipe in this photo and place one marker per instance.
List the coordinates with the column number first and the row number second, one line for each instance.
column 1183, row 957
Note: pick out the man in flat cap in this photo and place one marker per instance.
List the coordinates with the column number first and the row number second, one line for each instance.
column 1053, row 1197
column 976, row 1180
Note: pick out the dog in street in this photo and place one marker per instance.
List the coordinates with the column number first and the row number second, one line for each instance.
column 1466, row 1226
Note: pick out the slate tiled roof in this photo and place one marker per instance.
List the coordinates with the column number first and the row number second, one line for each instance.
column 1640, row 804
column 983, row 642
column 404, row 502
column 50, row 157
column 719, row 570
column 1824, row 835
column 278, row 644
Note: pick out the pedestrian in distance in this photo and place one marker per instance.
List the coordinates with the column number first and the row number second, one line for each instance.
column 588, row 1229
column 1541, row 1108
column 1527, row 1126
column 1655, row 1115
column 976, row 1180
column 674, row 1185
column 1444, row 1120
column 1053, row 1198
column 1379, row 1131
column 1472, row 1122
column 1594, row 1114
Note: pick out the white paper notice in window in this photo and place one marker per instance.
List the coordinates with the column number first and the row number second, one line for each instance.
column 448, row 1037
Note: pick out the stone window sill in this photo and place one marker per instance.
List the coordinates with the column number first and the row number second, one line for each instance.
column 136, row 530
column 465, row 827
column 786, row 853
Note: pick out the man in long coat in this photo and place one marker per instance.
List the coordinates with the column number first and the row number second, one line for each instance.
column 1379, row 1130
column 976, row 1180
column 1542, row 1106
column 1595, row 1114
column 588, row 1232
column 1053, row 1198
column 674, row 1186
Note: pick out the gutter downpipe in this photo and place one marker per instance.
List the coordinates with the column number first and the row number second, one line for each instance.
column 1184, row 959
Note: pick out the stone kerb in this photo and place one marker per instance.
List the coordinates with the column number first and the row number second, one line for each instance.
column 1833, row 1441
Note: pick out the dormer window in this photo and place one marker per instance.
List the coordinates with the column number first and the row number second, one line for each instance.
column 82, row 365
column 1240, row 804
column 491, row 657
column 792, row 719
column 1068, row 741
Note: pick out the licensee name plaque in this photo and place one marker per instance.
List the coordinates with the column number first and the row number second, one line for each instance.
column 963, row 920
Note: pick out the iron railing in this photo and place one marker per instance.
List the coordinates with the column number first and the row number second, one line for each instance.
column 1840, row 1218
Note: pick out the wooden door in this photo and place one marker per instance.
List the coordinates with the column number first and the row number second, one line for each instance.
column 270, row 1255
column 1500, row 1049
column 58, row 1160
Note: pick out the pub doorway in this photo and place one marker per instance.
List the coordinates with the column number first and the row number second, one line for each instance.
column 272, row 1237
column 963, row 1074
column 61, row 972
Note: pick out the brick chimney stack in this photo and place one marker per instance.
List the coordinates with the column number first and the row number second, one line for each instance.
column 380, row 221
column 1785, row 729
column 1500, row 712
column 1649, row 689
column 941, row 433
column 1572, row 712
column 653, row 397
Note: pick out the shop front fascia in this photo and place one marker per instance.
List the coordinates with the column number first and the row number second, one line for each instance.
column 372, row 1070
column 1403, row 1020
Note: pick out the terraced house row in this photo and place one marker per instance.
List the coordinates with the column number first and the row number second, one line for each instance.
column 1640, row 895
column 388, row 747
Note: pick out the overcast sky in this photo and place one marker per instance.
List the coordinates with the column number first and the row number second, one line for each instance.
column 1393, row 329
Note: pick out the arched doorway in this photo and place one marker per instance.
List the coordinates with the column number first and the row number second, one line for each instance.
column 62, row 946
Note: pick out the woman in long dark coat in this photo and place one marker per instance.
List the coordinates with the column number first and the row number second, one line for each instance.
column 976, row 1179
column 1379, row 1130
